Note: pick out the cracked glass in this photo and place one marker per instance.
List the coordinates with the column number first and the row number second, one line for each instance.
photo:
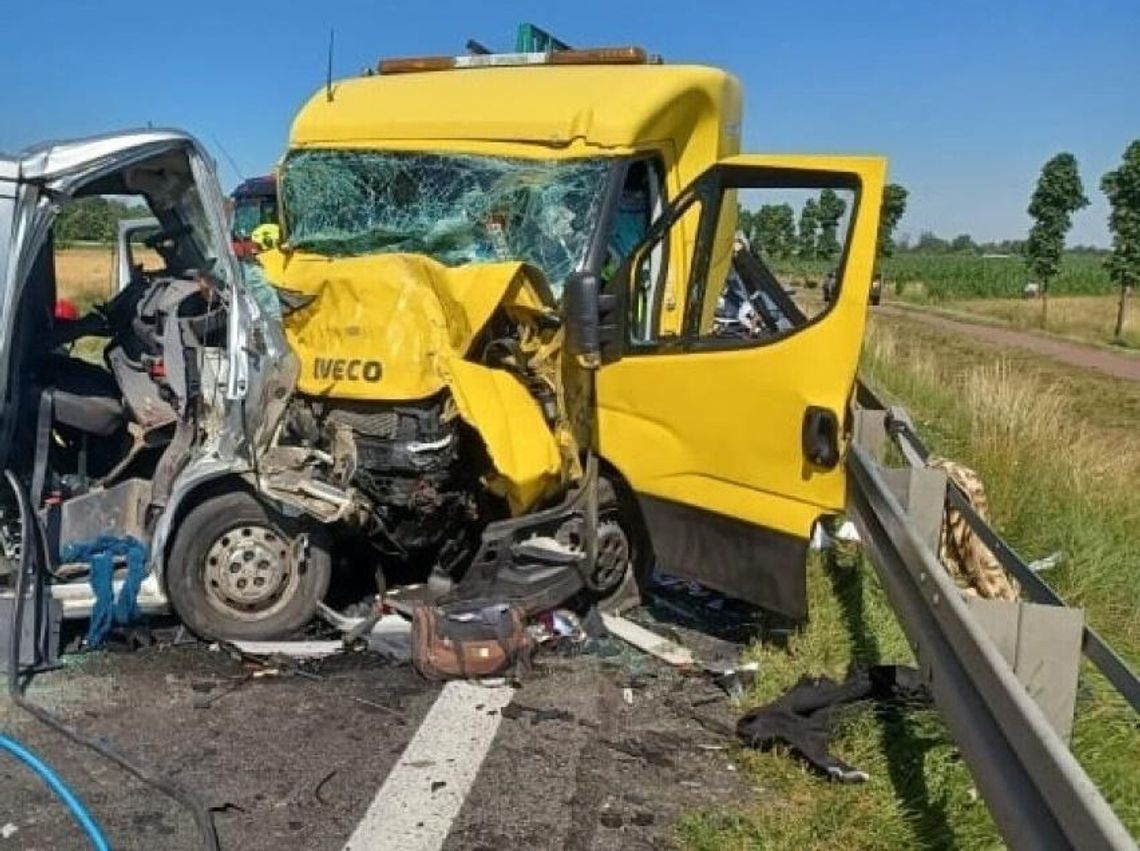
column 455, row 208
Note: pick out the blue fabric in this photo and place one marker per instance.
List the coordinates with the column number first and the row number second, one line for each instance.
column 101, row 553
column 102, row 568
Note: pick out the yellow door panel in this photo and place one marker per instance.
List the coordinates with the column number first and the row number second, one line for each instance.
column 720, row 428
column 724, row 429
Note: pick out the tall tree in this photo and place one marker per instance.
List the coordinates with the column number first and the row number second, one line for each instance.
column 931, row 242
column 1058, row 195
column 831, row 210
column 890, row 214
column 809, row 227
column 963, row 242
column 775, row 231
column 1122, row 186
column 784, row 224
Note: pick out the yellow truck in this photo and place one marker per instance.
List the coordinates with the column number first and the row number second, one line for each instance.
column 505, row 277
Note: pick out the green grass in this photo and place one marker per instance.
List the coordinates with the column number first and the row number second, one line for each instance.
column 1061, row 467
column 1060, row 464
column 1060, row 456
column 1085, row 319
column 920, row 793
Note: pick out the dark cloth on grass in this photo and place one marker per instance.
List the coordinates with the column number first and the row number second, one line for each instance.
column 802, row 717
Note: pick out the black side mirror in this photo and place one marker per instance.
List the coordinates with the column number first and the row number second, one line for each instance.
column 593, row 329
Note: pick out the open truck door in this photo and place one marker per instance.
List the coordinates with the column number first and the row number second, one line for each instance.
column 733, row 435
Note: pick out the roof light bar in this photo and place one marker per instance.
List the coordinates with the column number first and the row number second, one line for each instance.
column 595, row 56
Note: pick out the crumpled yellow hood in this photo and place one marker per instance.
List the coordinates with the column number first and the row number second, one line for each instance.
column 378, row 325
column 399, row 327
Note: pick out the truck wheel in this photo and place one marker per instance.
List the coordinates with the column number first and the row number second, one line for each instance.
column 239, row 570
column 625, row 558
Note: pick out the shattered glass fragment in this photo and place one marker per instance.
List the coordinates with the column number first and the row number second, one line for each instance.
column 261, row 290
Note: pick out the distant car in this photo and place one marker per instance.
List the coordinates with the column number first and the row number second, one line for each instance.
column 831, row 286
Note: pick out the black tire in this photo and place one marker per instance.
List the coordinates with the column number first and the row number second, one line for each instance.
column 621, row 508
column 222, row 538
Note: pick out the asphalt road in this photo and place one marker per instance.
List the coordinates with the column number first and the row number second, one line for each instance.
column 589, row 753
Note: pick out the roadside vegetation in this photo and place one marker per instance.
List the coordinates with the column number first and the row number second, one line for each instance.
column 1061, row 474
column 919, row 795
column 1084, row 302
column 1058, row 452
column 84, row 274
column 1087, row 319
column 936, row 277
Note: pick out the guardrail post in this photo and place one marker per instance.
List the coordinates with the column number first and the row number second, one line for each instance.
column 1043, row 646
column 871, row 431
column 922, row 493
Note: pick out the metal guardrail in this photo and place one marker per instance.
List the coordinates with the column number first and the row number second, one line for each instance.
column 1039, row 795
column 1095, row 648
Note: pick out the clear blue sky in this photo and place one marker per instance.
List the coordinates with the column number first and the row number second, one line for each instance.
column 967, row 99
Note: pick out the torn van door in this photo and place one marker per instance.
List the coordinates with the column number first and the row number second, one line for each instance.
column 734, row 442
column 179, row 382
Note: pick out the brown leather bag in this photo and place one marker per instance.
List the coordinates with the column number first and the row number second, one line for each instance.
column 478, row 638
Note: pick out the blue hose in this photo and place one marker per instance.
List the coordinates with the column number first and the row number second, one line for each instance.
column 82, row 816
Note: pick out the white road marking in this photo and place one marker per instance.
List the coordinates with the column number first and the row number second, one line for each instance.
column 449, row 747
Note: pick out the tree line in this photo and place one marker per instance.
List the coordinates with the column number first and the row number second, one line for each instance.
column 813, row 235
column 929, row 242
column 776, row 231
column 94, row 219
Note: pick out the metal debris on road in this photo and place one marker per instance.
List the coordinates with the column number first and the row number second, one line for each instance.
column 649, row 642
column 292, row 649
column 391, row 636
column 736, row 680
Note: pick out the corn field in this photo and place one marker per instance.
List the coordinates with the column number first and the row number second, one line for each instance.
column 945, row 277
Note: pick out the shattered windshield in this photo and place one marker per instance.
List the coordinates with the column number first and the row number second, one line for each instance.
column 456, row 208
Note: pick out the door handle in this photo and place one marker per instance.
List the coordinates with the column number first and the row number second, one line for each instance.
column 821, row 437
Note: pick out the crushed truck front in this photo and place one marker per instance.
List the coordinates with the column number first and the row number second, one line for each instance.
column 585, row 172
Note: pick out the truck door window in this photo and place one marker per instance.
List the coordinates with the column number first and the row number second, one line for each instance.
column 640, row 203
column 775, row 260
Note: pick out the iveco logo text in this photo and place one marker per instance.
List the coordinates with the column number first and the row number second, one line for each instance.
column 340, row 369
